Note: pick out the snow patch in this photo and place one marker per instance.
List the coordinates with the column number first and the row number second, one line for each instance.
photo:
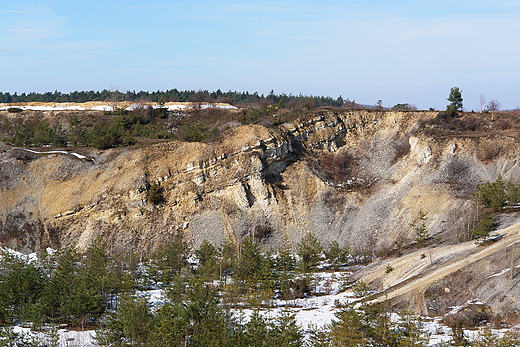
column 31, row 258
column 66, row 337
column 107, row 107
column 77, row 155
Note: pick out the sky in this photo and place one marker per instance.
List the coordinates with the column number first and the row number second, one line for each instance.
column 365, row 50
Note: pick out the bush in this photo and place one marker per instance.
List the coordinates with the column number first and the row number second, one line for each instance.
column 194, row 132
column 254, row 114
column 155, row 194
column 361, row 289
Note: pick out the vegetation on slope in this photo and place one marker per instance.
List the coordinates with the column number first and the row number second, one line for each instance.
column 473, row 124
column 121, row 127
column 495, row 198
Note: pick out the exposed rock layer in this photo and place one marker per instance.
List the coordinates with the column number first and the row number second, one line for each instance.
column 254, row 180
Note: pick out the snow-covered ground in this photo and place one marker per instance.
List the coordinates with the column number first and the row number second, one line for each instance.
column 97, row 106
column 313, row 312
column 30, row 258
column 64, row 337
column 316, row 311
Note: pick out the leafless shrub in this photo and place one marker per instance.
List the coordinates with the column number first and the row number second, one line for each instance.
column 473, row 315
column 366, row 252
column 505, row 319
column 340, row 170
column 443, row 124
column 486, row 152
column 339, row 167
column 456, row 171
column 263, row 232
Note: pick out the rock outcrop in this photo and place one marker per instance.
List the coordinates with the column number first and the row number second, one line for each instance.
column 253, row 181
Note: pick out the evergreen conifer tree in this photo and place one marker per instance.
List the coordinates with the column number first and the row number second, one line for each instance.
column 309, row 249
column 207, row 254
column 455, row 99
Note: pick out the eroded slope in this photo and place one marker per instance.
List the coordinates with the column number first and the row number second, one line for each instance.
column 254, row 181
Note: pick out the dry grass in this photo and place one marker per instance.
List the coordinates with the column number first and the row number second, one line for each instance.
column 473, row 124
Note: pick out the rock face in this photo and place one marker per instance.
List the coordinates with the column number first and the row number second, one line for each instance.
column 253, row 181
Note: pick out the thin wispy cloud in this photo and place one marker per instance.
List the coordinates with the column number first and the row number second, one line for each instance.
column 399, row 51
column 32, row 24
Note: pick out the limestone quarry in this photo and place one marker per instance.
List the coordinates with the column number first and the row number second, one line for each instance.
column 271, row 183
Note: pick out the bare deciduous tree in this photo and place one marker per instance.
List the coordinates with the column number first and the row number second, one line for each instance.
column 493, row 106
column 115, row 97
column 482, row 100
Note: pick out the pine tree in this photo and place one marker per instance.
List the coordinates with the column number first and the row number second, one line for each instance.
column 207, row 254
column 285, row 264
column 227, row 259
column 309, row 249
column 422, row 235
column 285, row 258
column 94, row 283
column 285, row 330
column 319, row 336
column 21, row 284
column 349, row 329
column 172, row 258
column 257, row 331
column 492, row 194
column 209, row 322
column 336, row 255
column 455, row 99
column 55, row 303
column 458, row 338
column 485, row 225
column 172, row 325
column 249, row 261
column 130, row 325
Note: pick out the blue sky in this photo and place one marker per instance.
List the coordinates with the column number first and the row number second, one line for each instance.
column 397, row 51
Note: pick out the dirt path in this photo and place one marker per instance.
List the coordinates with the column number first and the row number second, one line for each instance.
column 415, row 286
